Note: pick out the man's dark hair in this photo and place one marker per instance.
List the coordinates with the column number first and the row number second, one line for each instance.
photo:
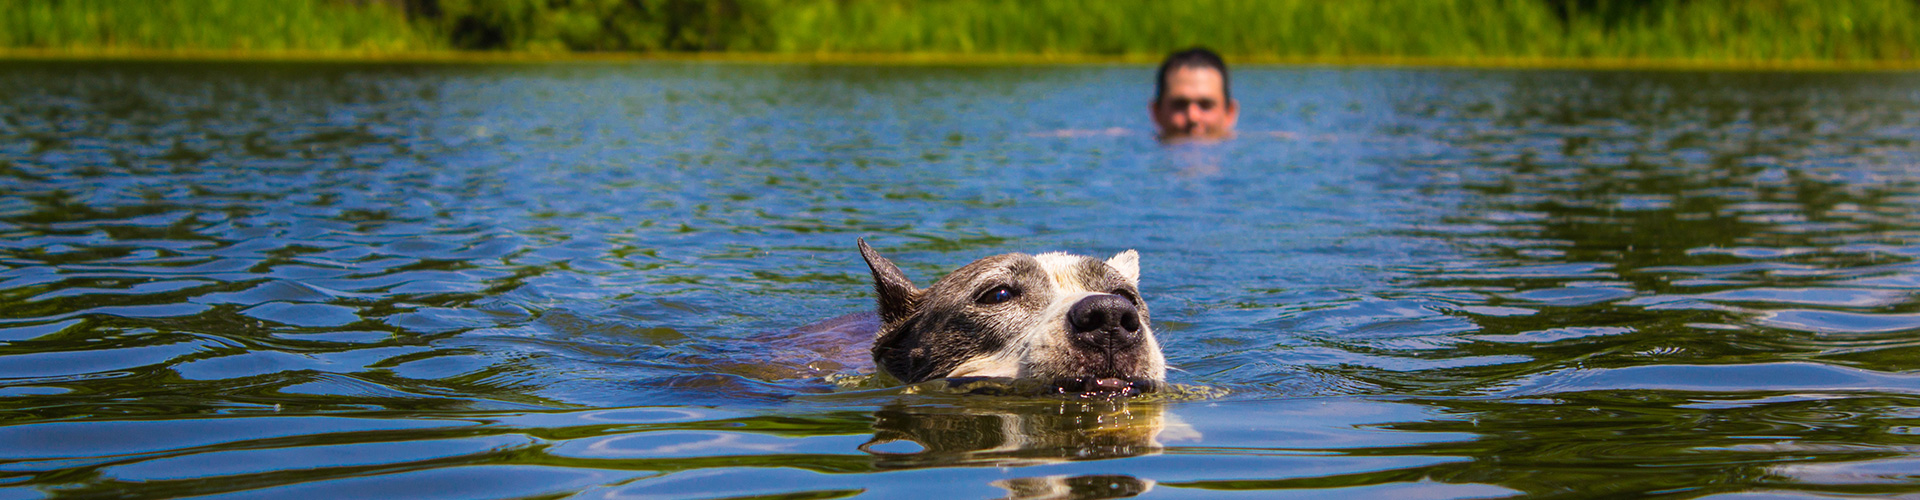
column 1197, row 57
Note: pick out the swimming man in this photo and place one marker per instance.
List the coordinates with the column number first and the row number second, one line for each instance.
column 1191, row 100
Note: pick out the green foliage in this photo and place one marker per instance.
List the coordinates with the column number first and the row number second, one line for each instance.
column 1657, row 29
column 1750, row 29
column 1685, row 29
column 1245, row 27
column 600, row 25
column 251, row 25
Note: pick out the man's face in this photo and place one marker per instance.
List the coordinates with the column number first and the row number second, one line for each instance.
column 1195, row 105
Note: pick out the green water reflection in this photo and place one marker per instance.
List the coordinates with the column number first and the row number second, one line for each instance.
column 290, row 280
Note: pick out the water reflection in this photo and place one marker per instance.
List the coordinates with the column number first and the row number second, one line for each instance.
column 248, row 279
column 1688, row 218
column 1074, row 487
column 1787, row 442
column 1003, row 434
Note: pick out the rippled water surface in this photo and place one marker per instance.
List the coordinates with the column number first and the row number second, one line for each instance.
column 292, row 281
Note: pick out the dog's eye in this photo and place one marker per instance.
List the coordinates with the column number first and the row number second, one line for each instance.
column 997, row 295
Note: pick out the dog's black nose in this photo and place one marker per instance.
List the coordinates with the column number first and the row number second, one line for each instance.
column 1104, row 322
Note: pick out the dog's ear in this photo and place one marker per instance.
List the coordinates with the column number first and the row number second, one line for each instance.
column 1128, row 263
column 898, row 297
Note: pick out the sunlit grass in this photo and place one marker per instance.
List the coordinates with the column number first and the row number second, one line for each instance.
column 1698, row 29
column 1757, row 29
column 1241, row 27
column 1279, row 30
column 241, row 25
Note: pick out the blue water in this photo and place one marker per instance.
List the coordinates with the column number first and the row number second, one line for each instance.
column 553, row 280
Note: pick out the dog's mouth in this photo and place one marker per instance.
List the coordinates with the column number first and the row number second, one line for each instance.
column 1103, row 387
column 1083, row 387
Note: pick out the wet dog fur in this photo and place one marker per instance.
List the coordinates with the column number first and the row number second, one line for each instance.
column 1076, row 323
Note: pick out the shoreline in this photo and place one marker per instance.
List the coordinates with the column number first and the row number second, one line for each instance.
column 939, row 59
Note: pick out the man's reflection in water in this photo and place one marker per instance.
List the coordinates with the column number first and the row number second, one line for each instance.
column 1195, row 163
column 1000, row 433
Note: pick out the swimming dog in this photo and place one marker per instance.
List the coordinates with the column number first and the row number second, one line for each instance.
column 1077, row 324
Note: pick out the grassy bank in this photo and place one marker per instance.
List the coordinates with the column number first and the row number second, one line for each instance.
column 1697, row 29
column 253, row 26
column 1710, row 32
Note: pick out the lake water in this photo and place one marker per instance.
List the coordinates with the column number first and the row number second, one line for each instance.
column 475, row 281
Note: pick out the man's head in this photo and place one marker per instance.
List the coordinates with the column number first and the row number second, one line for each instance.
column 1191, row 97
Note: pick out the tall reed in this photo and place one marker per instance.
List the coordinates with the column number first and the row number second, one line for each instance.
column 1662, row 29
column 1700, row 30
column 243, row 25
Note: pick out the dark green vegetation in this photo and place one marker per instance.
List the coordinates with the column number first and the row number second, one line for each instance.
column 1697, row 30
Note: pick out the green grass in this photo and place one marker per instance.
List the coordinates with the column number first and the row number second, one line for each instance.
column 209, row 25
column 1682, row 30
column 1697, row 29
column 1756, row 30
column 1117, row 27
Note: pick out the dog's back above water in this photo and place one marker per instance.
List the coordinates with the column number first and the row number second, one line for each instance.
column 1076, row 324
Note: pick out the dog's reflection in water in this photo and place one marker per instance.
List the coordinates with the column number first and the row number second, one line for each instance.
column 1074, row 487
column 1001, row 433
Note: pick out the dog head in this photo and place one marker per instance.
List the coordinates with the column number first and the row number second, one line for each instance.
column 1076, row 323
